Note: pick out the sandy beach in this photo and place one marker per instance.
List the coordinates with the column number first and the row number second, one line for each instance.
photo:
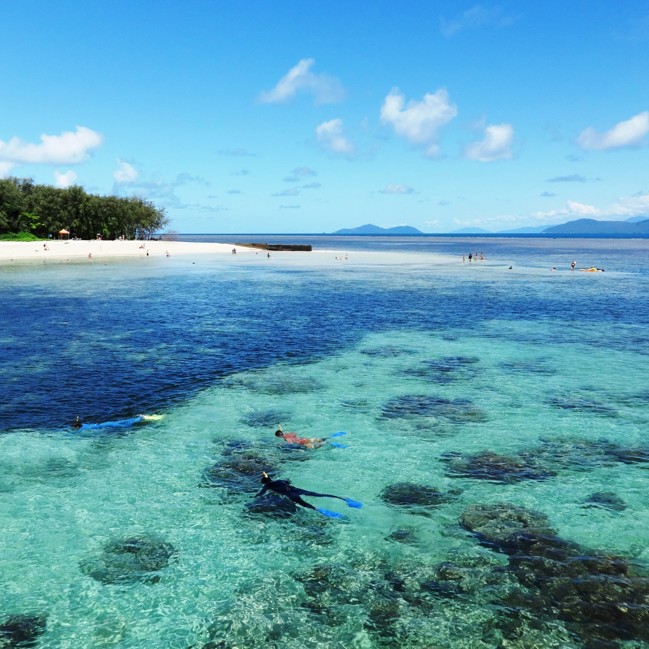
column 73, row 250
column 102, row 249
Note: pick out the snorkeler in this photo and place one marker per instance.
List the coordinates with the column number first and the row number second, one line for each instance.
column 309, row 442
column 77, row 423
column 284, row 488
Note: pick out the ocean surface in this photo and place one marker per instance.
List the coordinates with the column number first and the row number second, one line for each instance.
column 496, row 426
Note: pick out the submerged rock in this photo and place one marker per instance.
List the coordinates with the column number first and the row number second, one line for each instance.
column 239, row 473
column 528, row 367
column 628, row 455
column 445, row 370
column 415, row 498
column 405, row 535
column 265, row 418
column 607, row 500
column 21, row 630
column 596, row 594
column 582, row 404
column 280, row 383
column 502, row 523
column 386, row 352
column 271, row 505
column 420, row 405
column 502, row 469
column 134, row 558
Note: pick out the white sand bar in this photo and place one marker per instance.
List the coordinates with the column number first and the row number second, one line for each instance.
column 101, row 250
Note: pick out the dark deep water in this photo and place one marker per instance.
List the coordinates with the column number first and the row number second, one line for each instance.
column 112, row 341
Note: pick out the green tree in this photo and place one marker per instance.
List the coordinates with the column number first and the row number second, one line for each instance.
column 43, row 210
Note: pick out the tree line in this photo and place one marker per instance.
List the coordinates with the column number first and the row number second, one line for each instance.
column 43, row 210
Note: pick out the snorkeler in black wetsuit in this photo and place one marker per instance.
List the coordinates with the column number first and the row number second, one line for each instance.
column 285, row 488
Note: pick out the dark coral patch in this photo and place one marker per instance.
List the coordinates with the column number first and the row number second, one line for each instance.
column 239, row 473
column 265, row 418
column 278, row 384
column 414, row 497
column 600, row 596
column 528, row 367
column 577, row 403
column 386, row 352
column 500, row 469
column 445, row 370
column 606, row 500
column 420, row 405
column 271, row 505
column 134, row 558
column 21, row 630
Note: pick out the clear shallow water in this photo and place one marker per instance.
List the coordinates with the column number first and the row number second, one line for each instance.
column 414, row 362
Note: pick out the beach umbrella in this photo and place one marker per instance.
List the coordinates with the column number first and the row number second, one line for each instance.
column 62, row 232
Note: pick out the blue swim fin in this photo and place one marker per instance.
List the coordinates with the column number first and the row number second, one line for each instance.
column 326, row 512
column 338, row 434
column 339, row 445
column 353, row 503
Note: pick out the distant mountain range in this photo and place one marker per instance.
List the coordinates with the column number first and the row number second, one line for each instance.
column 634, row 225
column 404, row 230
column 590, row 226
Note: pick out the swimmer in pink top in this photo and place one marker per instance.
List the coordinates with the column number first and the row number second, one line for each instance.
column 293, row 438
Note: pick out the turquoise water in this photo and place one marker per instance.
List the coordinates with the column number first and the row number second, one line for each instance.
column 432, row 385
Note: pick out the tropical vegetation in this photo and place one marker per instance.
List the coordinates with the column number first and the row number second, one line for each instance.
column 42, row 210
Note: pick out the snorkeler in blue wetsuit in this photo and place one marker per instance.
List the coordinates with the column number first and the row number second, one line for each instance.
column 285, row 488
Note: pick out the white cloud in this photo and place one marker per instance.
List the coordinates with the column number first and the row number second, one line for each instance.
column 495, row 146
column 476, row 17
column 125, row 173
column 330, row 135
column 5, row 168
column 628, row 206
column 312, row 186
column 579, row 209
column 326, row 89
column 66, row 179
column 67, row 148
column 418, row 121
column 397, row 189
column 625, row 134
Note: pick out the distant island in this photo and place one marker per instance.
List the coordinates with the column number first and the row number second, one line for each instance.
column 590, row 226
column 635, row 225
column 404, row 230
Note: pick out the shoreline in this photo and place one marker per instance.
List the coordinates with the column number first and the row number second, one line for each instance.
column 101, row 250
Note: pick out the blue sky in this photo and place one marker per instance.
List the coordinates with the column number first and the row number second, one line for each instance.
column 309, row 117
